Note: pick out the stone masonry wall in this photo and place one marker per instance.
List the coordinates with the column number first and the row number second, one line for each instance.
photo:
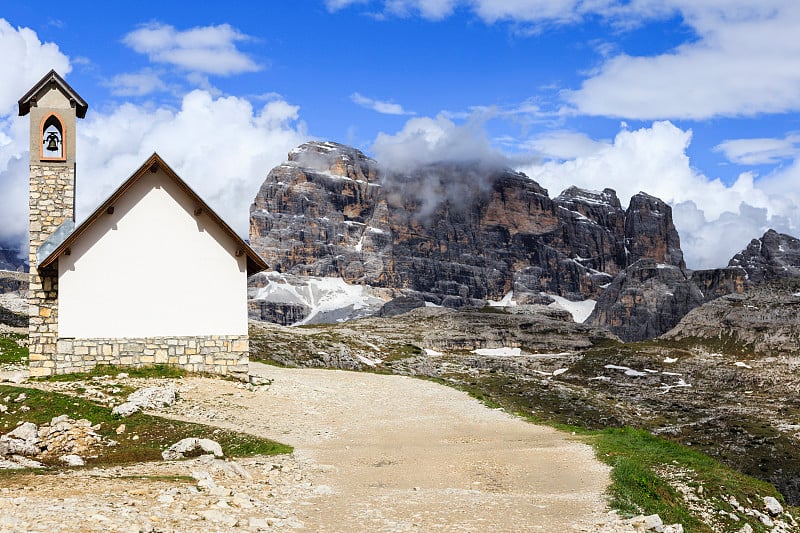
column 52, row 190
column 216, row 354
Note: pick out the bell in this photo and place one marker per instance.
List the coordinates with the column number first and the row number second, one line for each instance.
column 52, row 143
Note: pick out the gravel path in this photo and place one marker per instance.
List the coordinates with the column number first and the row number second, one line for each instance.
column 402, row 454
column 372, row 453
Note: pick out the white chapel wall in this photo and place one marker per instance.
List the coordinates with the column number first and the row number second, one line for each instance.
column 152, row 268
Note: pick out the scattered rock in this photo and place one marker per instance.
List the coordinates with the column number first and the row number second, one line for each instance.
column 146, row 398
column 23, row 440
column 185, row 446
column 126, row 409
column 72, row 460
column 120, row 429
column 773, row 506
column 646, row 523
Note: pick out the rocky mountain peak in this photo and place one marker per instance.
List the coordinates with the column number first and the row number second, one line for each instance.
column 450, row 233
column 577, row 196
column 335, row 159
column 650, row 231
column 774, row 255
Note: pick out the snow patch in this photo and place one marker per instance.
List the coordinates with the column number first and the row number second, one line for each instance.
column 580, row 311
column 670, row 360
column 506, row 301
column 329, row 300
column 628, row 371
column 503, row 352
column 431, row 352
column 740, row 364
column 559, row 371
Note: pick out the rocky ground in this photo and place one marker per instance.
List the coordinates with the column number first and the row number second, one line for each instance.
column 725, row 398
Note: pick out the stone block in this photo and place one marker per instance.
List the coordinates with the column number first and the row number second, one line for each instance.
column 147, row 359
column 38, row 371
column 240, row 345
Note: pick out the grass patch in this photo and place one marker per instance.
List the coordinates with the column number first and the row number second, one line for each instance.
column 153, row 433
column 150, row 371
column 11, row 351
column 401, row 351
column 637, row 457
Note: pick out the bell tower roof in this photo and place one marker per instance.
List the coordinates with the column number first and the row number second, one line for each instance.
column 52, row 79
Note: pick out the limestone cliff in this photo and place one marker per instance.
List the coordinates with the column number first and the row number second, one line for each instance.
column 451, row 234
column 647, row 299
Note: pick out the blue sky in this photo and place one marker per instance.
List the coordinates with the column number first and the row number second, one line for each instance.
column 694, row 102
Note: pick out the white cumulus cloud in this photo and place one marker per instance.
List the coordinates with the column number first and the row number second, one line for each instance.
column 204, row 49
column 25, row 60
column 426, row 140
column 760, row 151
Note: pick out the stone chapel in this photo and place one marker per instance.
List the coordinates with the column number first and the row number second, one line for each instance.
column 152, row 276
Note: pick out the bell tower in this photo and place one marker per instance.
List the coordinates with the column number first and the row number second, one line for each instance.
column 54, row 108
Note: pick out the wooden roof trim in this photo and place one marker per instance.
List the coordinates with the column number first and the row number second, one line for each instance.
column 80, row 104
column 255, row 263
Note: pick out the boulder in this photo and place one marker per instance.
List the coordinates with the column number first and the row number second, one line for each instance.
column 72, row 460
column 146, row 398
column 23, row 440
column 400, row 305
column 191, row 445
column 773, row 506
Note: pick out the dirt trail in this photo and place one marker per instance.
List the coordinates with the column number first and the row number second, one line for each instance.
column 372, row 453
column 393, row 453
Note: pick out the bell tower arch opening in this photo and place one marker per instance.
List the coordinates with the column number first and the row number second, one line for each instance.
column 52, row 146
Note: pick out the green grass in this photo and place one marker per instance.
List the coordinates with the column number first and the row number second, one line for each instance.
column 150, row 371
column 10, row 350
column 637, row 457
column 154, row 433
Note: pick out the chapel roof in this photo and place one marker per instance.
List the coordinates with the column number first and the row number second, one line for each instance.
column 52, row 77
column 254, row 262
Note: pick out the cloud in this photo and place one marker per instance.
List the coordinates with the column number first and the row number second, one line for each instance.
column 743, row 61
column 558, row 145
column 383, row 107
column 429, row 9
column 714, row 220
column 204, row 49
column 760, row 151
column 427, row 140
column 25, row 60
column 222, row 147
column 136, row 84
